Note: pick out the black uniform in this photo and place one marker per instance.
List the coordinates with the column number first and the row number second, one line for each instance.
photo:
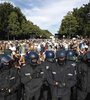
column 49, row 60
column 81, row 81
column 9, row 84
column 88, row 82
column 74, row 88
column 32, row 77
column 65, row 76
column 46, row 91
column 72, row 58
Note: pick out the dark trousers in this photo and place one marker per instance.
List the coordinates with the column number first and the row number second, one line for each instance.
column 88, row 96
column 45, row 93
column 58, row 94
column 65, row 97
column 81, row 95
column 9, row 97
column 74, row 93
column 31, row 96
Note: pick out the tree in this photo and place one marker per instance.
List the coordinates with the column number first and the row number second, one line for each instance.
column 5, row 10
column 82, row 17
column 69, row 25
column 13, row 24
column 77, row 22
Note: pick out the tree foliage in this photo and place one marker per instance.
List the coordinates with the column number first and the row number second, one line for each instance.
column 76, row 22
column 14, row 24
column 69, row 24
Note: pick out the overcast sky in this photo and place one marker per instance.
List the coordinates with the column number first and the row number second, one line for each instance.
column 47, row 14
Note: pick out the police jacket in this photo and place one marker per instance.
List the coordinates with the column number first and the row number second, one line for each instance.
column 31, row 77
column 9, row 81
column 46, row 65
column 64, row 75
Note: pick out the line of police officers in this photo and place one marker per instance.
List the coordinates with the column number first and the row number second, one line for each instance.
column 60, row 77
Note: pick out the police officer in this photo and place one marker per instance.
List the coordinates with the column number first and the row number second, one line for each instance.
column 9, row 79
column 72, row 59
column 82, row 72
column 84, row 77
column 49, row 60
column 88, row 74
column 32, row 76
column 61, row 77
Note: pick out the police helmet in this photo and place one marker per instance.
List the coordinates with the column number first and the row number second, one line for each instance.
column 61, row 54
column 71, row 55
column 87, row 56
column 50, row 55
column 32, row 58
column 6, row 59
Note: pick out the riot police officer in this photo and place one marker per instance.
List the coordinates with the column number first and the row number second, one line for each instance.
column 88, row 74
column 49, row 60
column 32, row 76
column 9, row 79
column 72, row 59
column 61, row 77
column 84, row 77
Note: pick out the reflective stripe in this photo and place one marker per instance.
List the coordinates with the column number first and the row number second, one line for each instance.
column 54, row 73
column 27, row 74
column 12, row 78
column 70, row 74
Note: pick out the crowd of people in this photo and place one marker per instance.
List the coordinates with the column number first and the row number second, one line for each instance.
column 45, row 69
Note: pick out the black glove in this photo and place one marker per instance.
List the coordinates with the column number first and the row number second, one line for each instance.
column 4, row 92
